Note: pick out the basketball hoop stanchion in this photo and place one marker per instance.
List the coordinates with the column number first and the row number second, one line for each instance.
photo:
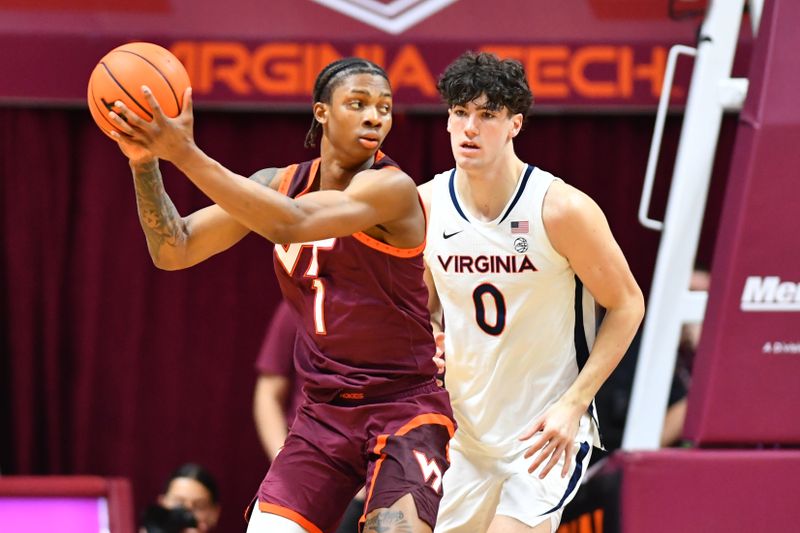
column 671, row 304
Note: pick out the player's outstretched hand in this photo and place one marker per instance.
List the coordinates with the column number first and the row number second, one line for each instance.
column 554, row 433
column 162, row 137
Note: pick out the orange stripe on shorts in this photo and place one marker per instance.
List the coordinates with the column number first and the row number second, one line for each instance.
column 287, row 513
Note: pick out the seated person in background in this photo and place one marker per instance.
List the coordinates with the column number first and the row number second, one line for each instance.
column 690, row 338
column 278, row 394
column 278, row 390
column 189, row 503
column 613, row 398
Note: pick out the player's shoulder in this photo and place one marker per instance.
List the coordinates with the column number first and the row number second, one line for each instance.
column 435, row 183
column 269, row 177
column 274, row 176
column 389, row 185
column 389, row 176
column 563, row 200
column 427, row 190
column 569, row 214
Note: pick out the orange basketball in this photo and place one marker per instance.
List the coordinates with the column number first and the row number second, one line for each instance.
column 120, row 75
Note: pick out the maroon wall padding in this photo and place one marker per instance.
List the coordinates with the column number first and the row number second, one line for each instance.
column 746, row 388
column 703, row 491
column 117, row 491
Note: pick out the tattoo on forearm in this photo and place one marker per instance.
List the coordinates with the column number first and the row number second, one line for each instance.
column 386, row 521
column 160, row 220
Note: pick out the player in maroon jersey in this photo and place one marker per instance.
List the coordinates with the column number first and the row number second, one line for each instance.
column 350, row 231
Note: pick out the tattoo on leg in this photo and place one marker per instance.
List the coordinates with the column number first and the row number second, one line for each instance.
column 387, row 521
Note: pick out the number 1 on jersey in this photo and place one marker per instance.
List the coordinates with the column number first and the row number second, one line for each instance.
column 319, row 308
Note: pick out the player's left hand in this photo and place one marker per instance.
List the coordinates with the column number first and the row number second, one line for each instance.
column 164, row 137
column 555, row 432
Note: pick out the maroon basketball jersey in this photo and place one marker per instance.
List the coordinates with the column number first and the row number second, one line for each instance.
column 362, row 305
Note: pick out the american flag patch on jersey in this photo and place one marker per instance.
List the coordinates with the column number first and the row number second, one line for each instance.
column 519, row 226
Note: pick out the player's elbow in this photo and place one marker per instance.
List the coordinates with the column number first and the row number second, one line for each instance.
column 289, row 229
column 166, row 265
column 164, row 260
column 169, row 267
column 279, row 233
column 629, row 306
column 637, row 306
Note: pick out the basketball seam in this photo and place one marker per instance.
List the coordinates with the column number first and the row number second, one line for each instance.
column 103, row 114
column 108, row 70
column 171, row 89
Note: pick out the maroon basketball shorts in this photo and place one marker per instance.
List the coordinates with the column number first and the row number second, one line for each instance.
column 396, row 444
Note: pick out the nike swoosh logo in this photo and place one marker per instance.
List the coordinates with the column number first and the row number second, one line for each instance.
column 448, row 235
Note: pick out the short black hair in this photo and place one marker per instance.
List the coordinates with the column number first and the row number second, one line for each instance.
column 473, row 74
column 199, row 474
column 331, row 77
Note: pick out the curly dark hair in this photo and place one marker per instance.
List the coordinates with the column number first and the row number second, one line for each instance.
column 331, row 77
column 473, row 74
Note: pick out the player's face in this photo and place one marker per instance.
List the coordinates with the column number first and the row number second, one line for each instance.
column 479, row 136
column 359, row 115
column 192, row 495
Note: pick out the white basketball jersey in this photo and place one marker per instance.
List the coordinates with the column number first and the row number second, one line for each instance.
column 518, row 322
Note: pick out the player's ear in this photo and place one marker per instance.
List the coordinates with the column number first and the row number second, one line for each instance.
column 516, row 124
column 449, row 116
column 321, row 112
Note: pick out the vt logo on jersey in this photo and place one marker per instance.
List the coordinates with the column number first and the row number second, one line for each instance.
column 431, row 472
column 289, row 255
column 496, row 264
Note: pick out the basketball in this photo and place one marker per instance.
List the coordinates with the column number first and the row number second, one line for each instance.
column 120, row 75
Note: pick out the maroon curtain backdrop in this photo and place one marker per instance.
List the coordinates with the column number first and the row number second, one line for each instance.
column 112, row 367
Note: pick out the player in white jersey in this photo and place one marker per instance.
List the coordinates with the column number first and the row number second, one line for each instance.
column 516, row 259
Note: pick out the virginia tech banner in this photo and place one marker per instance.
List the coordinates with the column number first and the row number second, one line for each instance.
column 591, row 54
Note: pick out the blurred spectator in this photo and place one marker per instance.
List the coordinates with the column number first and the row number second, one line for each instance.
column 690, row 338
column 278, row 391
column 189, row 503
column 612, row 399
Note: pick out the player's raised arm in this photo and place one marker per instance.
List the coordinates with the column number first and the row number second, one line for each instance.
column 384, row 196
column 177, row 242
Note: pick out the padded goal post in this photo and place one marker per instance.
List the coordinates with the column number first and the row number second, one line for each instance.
column 746, row 383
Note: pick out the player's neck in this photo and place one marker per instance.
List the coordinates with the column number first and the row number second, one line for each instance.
column 336, row 172
column 487, row 190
